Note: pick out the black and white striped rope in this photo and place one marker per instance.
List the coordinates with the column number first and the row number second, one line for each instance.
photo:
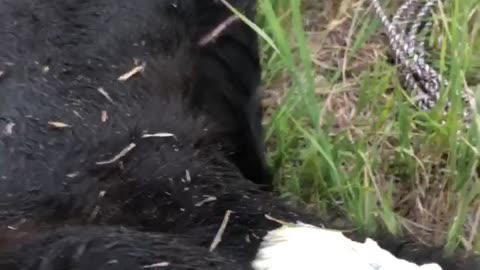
column 408, row 12
column 415, row 73
column 405, row 14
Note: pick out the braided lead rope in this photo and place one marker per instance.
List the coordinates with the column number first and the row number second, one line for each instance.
column 424, row 12
column 420, row 46
column 415, row 73
column 466, row 95
column 407, row 13
column 406, row 54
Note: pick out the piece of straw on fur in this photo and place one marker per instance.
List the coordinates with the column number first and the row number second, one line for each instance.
column 221, row 230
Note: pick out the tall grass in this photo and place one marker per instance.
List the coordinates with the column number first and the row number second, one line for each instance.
column 391, row 166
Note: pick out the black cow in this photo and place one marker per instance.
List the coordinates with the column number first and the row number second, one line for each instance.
column 129, row 131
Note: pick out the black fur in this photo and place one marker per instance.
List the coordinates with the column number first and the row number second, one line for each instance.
column 172, row 192
column 112, row 249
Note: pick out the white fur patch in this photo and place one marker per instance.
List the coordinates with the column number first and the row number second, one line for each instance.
column 305, row 247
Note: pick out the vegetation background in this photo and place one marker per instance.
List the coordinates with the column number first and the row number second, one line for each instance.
column 343, row 134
